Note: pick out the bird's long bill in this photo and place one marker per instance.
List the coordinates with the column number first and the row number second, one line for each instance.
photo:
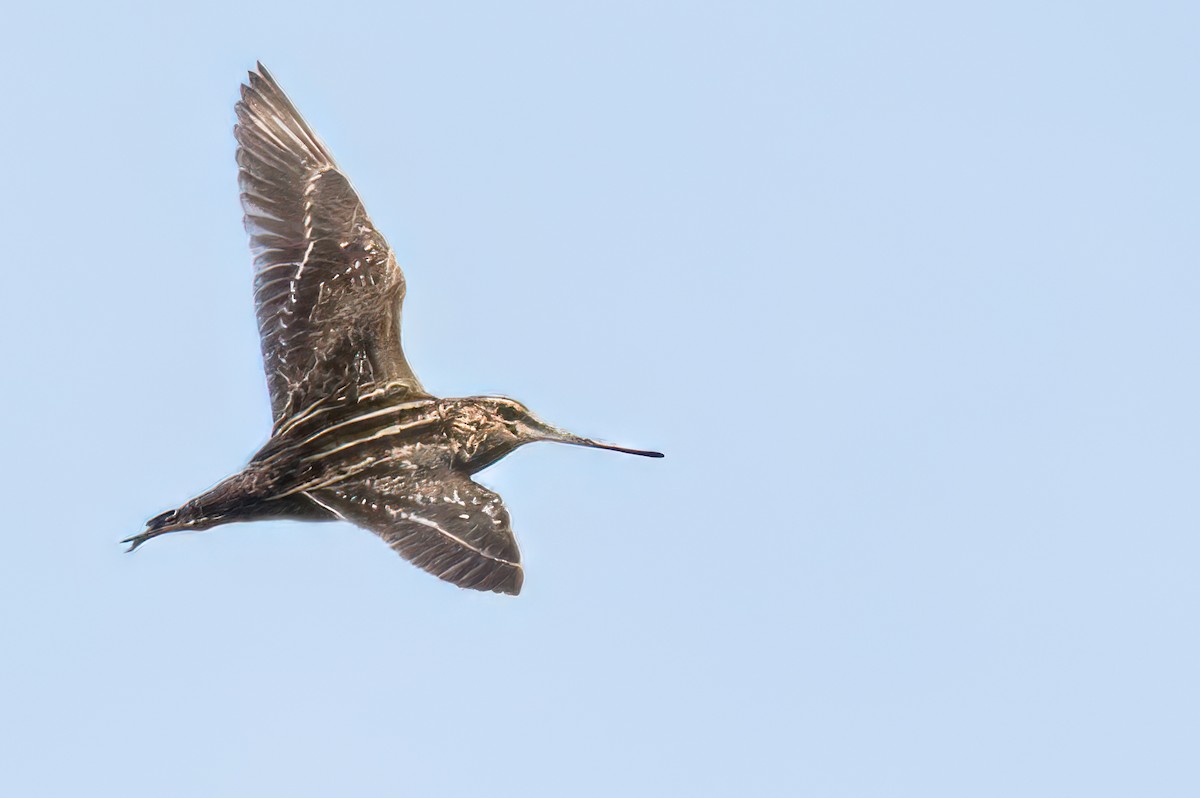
column 557, row 435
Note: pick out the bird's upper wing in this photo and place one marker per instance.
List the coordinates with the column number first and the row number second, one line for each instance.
column 327, row 288
column 441, row 522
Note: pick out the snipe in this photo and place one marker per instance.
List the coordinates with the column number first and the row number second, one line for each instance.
column 355, row 437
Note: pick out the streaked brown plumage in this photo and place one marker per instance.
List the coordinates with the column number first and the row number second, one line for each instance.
column 356, row 437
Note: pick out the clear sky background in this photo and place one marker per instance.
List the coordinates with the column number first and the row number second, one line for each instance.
column 906, row 292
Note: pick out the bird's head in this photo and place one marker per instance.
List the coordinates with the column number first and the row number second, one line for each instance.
column 514, row 425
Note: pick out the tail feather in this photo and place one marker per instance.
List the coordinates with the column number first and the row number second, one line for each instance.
column 160, row 524
column 237, row 498
column 208, row 509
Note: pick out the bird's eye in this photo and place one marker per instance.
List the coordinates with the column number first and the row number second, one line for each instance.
column 508, row 413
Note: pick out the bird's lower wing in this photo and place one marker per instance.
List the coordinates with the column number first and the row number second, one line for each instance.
column 443, row 523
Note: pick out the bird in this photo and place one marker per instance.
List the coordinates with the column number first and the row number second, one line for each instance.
column 355, row 436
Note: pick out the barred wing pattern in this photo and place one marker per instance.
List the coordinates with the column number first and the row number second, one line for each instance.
column 439, row 521
column 327, row 288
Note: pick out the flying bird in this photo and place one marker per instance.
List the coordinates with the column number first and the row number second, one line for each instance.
column 355, row 437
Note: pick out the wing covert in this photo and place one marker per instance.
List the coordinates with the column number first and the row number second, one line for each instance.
column 442, row 522
column 327, row 288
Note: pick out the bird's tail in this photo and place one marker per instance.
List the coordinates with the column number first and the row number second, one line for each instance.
column 246, row 496
column 214, row 506
column 170, row 521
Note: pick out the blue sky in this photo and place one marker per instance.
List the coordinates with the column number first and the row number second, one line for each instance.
column 906, row 292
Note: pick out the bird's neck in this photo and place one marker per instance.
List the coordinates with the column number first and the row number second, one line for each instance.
column 477, row 439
